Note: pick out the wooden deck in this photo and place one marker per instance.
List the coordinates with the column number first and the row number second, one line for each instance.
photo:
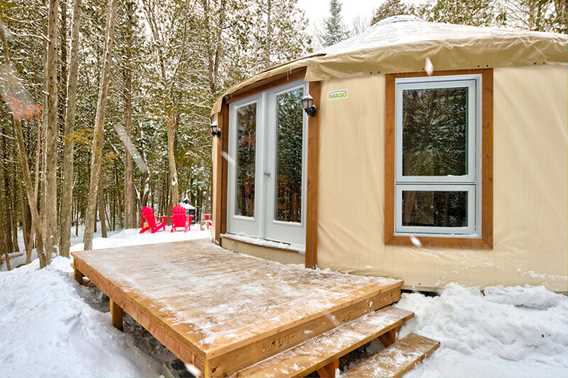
column 222, row 311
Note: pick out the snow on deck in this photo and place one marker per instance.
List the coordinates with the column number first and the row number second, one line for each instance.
column 218, row 298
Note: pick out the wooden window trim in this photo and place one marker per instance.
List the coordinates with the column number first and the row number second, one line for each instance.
column 486, row 239
column 266, row 84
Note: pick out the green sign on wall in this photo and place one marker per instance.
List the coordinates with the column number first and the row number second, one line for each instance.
column 337, row 94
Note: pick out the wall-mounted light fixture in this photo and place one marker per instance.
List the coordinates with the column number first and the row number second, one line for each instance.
column 309, row 107
column 215, row 130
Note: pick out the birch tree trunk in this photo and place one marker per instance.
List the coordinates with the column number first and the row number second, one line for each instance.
column 98, row 133
column 173, row 184
column 69, row 143
column 129, row 204
column 51, row 133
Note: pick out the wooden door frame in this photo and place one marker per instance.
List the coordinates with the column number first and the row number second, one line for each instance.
column 222, row 144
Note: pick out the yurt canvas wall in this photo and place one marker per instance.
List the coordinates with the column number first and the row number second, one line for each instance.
column 530, row 188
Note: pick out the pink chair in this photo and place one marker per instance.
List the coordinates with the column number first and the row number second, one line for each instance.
column 149, row 219
column 179, row 219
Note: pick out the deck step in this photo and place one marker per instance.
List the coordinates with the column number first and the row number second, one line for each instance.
column 328, row 347
column 395, row 360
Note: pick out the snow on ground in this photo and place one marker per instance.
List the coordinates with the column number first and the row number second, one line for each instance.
column 47, row 328
column 132, row 237
column 508, row 332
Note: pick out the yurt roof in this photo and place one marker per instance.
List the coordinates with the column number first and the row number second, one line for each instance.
column 406, row 43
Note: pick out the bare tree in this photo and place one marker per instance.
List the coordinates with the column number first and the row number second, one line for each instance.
column 98, row 133
column 50, row 183
column 69, row 143
column 129, row 204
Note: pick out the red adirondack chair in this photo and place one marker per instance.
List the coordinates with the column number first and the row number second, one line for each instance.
column 207, row 220
column 179, row 219
column 150, row 221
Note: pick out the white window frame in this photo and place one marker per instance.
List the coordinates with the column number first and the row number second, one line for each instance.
column 470, row 183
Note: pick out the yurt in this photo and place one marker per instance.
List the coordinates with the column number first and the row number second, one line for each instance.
column 429, row 152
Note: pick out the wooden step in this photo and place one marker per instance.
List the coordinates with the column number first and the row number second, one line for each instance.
column 326, row 349
column 395, row 360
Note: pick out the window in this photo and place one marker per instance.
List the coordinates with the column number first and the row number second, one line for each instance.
column 435, row 148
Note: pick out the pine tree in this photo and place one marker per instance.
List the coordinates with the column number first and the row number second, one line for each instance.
column 392, row 8
column 334, row 29
column 472, row 12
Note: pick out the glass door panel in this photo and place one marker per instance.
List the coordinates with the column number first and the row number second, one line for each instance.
column 289, row 146
column 245, row 164
column 245, row 136
column 286, row 146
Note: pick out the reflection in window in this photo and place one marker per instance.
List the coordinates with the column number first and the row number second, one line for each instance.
column 245, row 160
column 434, row 209
column 289, row 123
column 434, row 133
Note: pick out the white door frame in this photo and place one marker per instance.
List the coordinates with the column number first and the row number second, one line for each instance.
column 263, row 225
column 290, row 232
column 245, row 225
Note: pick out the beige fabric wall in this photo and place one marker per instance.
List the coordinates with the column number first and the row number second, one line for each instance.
column 530, row 187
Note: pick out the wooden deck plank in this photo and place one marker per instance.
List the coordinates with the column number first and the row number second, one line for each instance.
column 395, row 360
column 329, row 346
column 223, row 311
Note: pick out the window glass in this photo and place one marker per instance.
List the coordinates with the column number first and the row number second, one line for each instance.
column 434, row 208
column 434, row 132
column 245, row 160
column 289, row 134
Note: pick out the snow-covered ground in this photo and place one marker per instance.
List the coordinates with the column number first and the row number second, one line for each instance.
column 49, row 329
column 132, row 237
column 508, row 332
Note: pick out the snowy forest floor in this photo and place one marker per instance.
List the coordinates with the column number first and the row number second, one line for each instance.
column 52, row 327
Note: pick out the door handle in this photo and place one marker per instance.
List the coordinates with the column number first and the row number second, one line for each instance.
column 267, row 174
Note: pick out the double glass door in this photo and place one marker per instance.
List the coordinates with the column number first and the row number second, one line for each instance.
column 267, row 160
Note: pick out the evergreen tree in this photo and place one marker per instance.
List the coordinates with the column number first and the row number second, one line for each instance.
column 334, row 29
column 392, row 8
column 472, row 12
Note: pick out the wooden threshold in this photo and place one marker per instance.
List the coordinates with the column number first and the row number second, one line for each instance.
column 262, row 243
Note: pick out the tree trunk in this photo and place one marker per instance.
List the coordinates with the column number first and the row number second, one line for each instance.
column 50, row 209
column 5, row 233
column 31, row 193
column 97, row 147
column 102, row 208
column 27, row 228
column 129, row 204
column 173, row 179
column 14, row 200
column 30, row 188
column 67, row 192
